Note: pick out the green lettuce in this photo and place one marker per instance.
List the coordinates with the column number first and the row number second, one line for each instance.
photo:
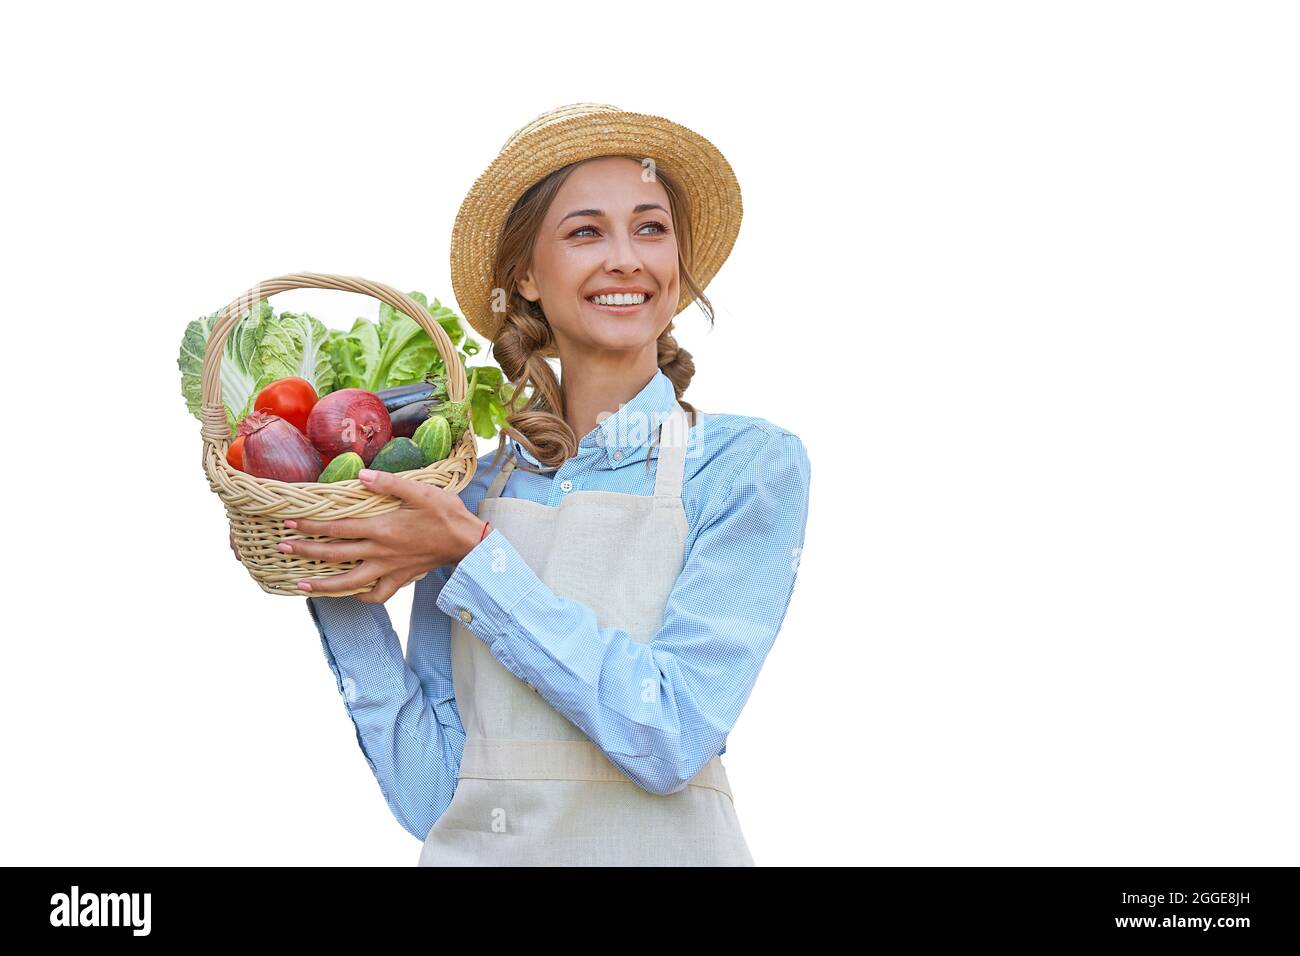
column 396, row 351
column 261, row 348
column 293, row 346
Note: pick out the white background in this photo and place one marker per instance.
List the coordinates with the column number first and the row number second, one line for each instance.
column 1022, row 276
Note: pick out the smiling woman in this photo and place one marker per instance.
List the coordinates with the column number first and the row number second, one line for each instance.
column 573, row 674
column 548, row 253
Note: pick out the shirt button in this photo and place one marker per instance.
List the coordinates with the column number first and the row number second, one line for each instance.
column 618, row 455
column 466, row 616
column 566, row 485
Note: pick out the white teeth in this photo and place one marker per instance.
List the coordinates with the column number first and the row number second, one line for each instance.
column 619, row 298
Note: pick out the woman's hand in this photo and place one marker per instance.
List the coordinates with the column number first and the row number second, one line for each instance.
column 431, row 529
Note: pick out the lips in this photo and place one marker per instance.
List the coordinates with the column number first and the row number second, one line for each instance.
column 623, row 308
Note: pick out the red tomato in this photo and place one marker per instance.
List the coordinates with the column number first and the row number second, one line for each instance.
column 235, row 454
column 290, row 398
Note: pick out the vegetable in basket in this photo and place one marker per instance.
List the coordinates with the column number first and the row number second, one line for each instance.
column 273, row 448
column 395, row 352
column 290, row 398
column 434, row 439
column 489, row 396
column 351, row 419
column 343, row 468
column 410, row 417
column 235, row 453
column 483, row 400
column 402, row 395
column 395, row 359
column 261, row 348
column 400, row 454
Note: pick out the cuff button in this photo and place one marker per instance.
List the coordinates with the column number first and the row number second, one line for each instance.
column 466, row 616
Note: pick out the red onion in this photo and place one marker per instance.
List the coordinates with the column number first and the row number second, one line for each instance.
column 273, row 448
column 351, row 419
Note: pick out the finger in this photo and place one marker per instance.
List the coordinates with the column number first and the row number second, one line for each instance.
column 358, row 577
column 384, row 588
column 334, row 551
column 386, row 483
column 338, row 527
column 390, row 584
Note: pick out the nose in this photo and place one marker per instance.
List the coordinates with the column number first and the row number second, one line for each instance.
column 622, row 255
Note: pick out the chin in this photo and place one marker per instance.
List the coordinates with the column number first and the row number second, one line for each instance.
column 626, row 337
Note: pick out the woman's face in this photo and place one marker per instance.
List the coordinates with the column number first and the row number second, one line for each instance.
column 607, row 230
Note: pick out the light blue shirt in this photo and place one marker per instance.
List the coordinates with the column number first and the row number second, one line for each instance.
column 745, row 493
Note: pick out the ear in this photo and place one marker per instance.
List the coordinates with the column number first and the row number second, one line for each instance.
column 528, row 287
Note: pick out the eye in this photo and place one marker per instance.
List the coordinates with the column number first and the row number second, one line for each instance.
column 660, row 229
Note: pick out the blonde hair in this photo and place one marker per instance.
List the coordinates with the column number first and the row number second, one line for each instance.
column 525, row 333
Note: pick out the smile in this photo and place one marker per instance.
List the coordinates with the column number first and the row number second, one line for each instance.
column 620, row 302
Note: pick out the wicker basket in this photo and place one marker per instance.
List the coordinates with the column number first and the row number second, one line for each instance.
column 256, row 506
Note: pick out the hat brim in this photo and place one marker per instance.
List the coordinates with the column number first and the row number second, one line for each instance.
column 704, row 174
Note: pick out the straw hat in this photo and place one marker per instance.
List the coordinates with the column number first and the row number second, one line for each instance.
column 584, row 131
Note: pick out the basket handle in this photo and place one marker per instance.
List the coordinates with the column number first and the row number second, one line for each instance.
column 216, row 430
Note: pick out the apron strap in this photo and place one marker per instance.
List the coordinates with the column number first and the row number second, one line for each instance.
column 671, row 470
column 670, row 473
column 499, row 482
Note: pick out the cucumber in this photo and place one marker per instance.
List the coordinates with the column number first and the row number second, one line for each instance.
column 400, row 454
column 343, row 468
column 434, row 438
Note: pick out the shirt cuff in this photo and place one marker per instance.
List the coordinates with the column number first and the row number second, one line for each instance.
column 487, row 585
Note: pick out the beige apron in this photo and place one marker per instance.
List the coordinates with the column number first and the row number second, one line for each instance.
column 533, row 789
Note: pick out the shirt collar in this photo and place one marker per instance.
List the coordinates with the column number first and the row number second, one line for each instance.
column 621, row 435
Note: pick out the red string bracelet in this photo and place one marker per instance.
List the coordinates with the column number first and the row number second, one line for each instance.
column 484, row 534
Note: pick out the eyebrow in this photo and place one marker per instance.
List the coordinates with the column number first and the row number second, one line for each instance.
column 600, row 212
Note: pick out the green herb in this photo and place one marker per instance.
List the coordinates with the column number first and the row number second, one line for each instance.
column 486, row 398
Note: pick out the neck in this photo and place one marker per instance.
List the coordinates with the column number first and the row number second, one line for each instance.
column 595, row 387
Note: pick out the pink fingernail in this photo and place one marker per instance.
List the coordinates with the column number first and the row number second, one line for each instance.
column 290, row 523
column 304, row 585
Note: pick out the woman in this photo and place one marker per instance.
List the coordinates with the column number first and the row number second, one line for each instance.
column 598, row 605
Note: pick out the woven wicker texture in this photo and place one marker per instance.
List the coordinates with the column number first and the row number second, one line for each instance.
column 256, row 506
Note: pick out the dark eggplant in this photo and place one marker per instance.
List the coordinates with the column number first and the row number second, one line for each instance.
column 400, row 395
column 410, row 417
